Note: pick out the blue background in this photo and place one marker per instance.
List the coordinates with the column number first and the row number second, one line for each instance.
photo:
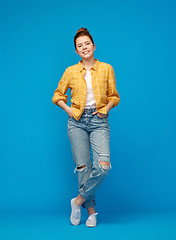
column 36, row 45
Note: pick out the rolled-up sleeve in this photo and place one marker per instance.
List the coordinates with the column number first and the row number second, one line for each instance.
column 112, row 94
column 63, row 85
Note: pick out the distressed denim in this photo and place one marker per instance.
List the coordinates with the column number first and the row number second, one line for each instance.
column 89, row 131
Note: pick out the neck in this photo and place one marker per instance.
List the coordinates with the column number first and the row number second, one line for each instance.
column 88, row 63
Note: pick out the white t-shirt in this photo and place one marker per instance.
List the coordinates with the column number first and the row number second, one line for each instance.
column 90, row 101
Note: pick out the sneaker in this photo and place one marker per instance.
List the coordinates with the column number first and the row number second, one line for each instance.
column 76, row 213
column 92, row 220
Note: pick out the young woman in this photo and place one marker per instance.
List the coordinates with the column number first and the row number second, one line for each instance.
column 93, row 94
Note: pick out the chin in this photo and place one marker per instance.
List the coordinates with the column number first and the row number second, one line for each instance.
column 87, row 57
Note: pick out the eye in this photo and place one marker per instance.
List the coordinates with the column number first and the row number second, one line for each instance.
column 88, row 43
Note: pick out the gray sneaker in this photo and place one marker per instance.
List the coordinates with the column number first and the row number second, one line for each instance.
column 75, row 213
column 92, row 220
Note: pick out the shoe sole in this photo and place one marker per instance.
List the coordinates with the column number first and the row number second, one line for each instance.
column 91, row 226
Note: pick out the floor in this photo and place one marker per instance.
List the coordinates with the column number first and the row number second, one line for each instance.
column 124, row 226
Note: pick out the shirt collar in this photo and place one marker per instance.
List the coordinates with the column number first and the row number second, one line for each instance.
column 95, row 66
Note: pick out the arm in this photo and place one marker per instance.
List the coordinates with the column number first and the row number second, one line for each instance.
column 109, row 106
column 60, row 98
column 63, row 85
column 112, row 95
column 65, row 107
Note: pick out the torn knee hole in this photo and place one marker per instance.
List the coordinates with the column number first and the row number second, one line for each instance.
column 80, row 168
column 105, row 165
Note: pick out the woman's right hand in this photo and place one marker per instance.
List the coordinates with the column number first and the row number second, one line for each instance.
column 69, row 112
column 66, row 108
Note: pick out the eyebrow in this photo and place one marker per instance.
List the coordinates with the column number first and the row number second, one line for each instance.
column 85, row 42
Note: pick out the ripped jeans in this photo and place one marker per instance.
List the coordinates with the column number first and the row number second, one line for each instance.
column 89, row 130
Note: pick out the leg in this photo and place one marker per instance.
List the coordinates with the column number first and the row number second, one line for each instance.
column 99, row 139
column 91, row 210
column 80, row 145
column 80, row 200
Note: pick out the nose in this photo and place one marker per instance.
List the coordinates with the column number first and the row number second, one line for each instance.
column 84, row 47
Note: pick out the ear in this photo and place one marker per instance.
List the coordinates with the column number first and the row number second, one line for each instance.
column 94, row 47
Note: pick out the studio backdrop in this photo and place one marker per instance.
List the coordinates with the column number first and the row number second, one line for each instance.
column 36, row 46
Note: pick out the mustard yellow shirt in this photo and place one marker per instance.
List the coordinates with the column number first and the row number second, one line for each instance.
column 103, row 86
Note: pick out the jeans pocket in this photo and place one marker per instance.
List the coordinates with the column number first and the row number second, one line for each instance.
column 103, row 117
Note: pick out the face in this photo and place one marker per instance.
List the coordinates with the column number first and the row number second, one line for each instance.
column 84, row 47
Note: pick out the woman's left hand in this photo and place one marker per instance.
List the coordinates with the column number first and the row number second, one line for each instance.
column 101, row 115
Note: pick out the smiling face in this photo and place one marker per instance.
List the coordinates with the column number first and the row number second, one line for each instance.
column 84, row 47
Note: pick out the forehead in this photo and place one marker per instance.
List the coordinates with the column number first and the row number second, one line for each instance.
column 82, row 39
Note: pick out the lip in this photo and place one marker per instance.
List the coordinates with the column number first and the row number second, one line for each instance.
column 86, row 52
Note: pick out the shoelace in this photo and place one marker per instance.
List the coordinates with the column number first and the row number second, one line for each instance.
column 92, row 215
column 76, row 213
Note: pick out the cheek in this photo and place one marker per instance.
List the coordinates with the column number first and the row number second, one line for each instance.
column 92, row 48
column 79, row 51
